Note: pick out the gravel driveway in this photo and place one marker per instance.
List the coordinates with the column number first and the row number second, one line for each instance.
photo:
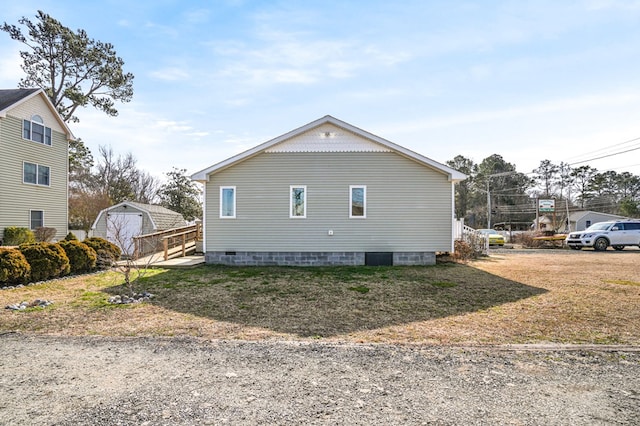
column 100, row 381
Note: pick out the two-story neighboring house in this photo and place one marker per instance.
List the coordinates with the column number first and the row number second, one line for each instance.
column 34, row 164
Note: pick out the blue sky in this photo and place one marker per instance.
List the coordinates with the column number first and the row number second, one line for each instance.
column 535, row 80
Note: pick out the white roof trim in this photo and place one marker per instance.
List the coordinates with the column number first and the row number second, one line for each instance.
column 578, row 215
column 454, row 175
column 46, row 99
column 128, row 204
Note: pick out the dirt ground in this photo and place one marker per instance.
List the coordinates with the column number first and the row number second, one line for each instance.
column 153, row 381
column 78, row 380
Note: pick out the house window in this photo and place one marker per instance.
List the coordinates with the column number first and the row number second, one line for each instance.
column 36, row 131
column 228, row 202
column 36, row 219
column 357, row 201
column 35, row 174
column 588, row 223
column 298, row 202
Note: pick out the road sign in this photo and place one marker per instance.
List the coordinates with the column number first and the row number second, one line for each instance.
column 546, row 205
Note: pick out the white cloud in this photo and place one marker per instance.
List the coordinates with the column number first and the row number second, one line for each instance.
column 170, row 74
column 162, row 144
column 197, row 16
column 552, row 106
column 172, row 126
column 198, row 135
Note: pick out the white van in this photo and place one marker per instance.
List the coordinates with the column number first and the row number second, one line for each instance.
column 617, row 234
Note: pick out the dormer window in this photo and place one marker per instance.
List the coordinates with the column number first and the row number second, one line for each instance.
column 36, row 131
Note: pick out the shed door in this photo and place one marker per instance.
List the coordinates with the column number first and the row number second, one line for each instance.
column 121, row 228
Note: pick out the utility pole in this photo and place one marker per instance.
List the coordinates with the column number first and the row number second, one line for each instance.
column 489, row 194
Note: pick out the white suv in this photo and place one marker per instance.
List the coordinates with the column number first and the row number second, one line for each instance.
column 617, row 234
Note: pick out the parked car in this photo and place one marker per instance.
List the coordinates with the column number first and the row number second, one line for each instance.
column 616, row 233
column 495, row 239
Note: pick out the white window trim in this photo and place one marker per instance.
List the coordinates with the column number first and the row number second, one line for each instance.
column 44, row 134
column 37, row 174
column 222, row 188
column 30, row 213
column 304, row 201
column 364, row 201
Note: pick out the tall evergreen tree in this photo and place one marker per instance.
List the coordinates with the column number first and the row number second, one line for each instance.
column 464, row 189
column 181, row 195
column 73, row 69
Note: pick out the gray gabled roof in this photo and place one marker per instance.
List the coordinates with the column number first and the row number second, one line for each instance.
column 454, row 175
column 577, row 215
column 161, row 216
column 10, row 98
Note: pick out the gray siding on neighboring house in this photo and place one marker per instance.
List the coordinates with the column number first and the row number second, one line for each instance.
column 408, row 205
column 592, row 217
column 18, row 198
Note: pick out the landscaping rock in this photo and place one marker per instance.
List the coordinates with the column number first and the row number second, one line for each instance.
column 136, row 298
column 24, row 305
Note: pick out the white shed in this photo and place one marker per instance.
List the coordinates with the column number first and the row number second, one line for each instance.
column 121, row 222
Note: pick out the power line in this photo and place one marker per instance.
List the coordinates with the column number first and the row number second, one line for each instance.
column 604, row 149
column 605, row 156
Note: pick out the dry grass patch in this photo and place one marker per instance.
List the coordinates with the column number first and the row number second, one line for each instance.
column 550, row 297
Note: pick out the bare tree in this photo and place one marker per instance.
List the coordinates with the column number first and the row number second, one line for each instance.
column 121, row 180
column 132, row 267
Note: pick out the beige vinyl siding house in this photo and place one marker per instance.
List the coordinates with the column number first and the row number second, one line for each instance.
column 358, row 195
column 33, row 162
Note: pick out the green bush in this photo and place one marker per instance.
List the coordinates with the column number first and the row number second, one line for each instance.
column 71, row 237
column 82, row 258
column 14, row 268
column 14, row 236
column 47, row 260
column 108, row 253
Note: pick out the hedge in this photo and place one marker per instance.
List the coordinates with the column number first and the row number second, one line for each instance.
column 47, row 260
column 108, row 253
column 82, row 258
column 14, row 236
column 14, row 268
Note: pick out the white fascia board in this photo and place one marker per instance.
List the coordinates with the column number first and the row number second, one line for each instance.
column 454, row 175
column 45, row 98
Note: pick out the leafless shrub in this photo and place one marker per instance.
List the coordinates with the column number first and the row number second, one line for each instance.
column 44, row 234
column 133, row 266
column 463, row 251
column 526, row 239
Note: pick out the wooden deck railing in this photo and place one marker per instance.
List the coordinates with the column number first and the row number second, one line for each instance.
column 170, row 242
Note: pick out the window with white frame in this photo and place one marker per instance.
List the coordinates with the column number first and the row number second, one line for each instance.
column 357, row 201
column 36, row 219
column 36, row 131
column 36, row 174
column 298, row 201
column 228, row 202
